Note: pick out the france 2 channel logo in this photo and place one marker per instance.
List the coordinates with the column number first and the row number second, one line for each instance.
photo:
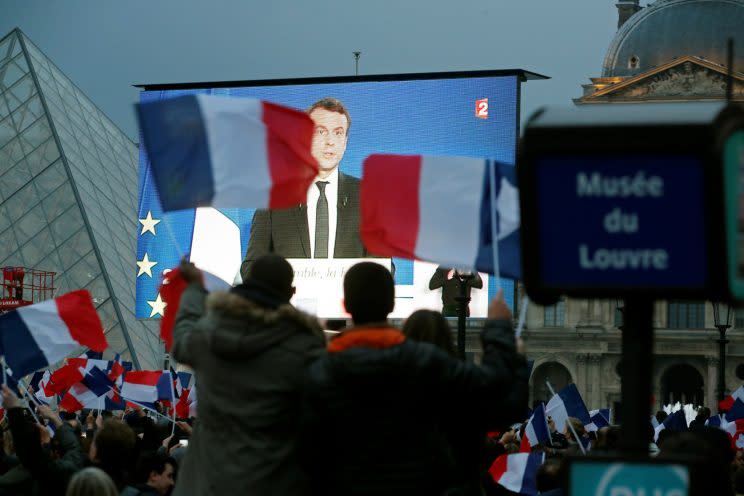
column 481, row 108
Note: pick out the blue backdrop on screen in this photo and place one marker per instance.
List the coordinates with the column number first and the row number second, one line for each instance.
column 433, row 117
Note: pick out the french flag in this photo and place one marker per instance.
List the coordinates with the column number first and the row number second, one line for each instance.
column 537, row 431
column 39, row 335
column 171, row 290
column 438, row 209
column 517, row 472
column 600, row 418
column 223, row 152
column 166, row 386
column 88, row 393
column 141, row 387
column 41, row 392
column 183, row 403
column 183, row 382
column 568, row 403
column 728, row 402
column 676, row 422
column 736, row 411
column 64, row 377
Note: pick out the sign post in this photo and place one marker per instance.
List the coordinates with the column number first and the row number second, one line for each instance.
column 639, row 203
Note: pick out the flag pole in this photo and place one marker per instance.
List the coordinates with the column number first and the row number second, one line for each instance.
column 150, row 410
column 570, row 425
column 547, row 425
column 522, row 316
column 494, row 225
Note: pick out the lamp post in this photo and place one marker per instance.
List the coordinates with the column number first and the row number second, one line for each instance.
column 722, row 315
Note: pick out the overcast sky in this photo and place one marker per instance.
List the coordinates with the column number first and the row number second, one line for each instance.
column 106, row 46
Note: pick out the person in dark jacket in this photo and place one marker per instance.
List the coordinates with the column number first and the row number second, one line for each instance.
column 374, row 405
column 465, row 440
column 451, row 281
column 249, row 349
column 113, row 450
column 428, row 326
column 50, row 472
column 155, row 474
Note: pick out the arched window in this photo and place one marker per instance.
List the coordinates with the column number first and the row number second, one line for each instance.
column 553, row 372
column 682, row 383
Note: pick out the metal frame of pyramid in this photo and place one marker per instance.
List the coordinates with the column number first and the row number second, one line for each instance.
column 68, row 194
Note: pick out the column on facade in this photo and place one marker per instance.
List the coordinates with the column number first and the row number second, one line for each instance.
column 582, row 379
column 594, row 395
column 711, row 383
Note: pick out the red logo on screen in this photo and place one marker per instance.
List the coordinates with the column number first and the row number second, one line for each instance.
column 481, row 108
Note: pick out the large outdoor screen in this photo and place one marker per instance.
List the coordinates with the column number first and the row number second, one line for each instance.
column 466, row 115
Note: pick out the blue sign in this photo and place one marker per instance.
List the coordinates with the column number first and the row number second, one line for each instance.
column 628, row 479
column 634, row 221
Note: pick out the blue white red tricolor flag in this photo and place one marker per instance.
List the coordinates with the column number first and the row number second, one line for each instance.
column 141, row 387
column 517, row 472
column 676, row 422
column 537, row 431
column 438, row 209
column 208, row 150
column 88, row 393
column 728, row 402
column 600, row 418
column 39, row 335
column 568, row 403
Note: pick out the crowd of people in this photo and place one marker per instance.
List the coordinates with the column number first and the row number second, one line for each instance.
column 282, row 410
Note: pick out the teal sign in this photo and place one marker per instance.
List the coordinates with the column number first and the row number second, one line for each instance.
column 628, row 479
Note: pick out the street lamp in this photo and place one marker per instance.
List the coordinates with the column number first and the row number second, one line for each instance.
column 722, row 315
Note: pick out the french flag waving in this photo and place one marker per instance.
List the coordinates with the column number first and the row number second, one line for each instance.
column 39, row 335
column 537, row 431
column 568, row 403
column 210, row 150
column 676, row 422
column 439, row 209
column 88, row 393
column 600, row 418
column 141, row 387
column 517, row 472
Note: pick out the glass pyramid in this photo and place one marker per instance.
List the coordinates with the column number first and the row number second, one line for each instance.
column 68, row 194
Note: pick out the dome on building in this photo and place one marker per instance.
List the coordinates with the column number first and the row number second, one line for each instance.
column 668, row 29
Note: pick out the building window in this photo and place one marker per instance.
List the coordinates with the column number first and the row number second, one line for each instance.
column 739, row 318
column 555, row 315
column 618, row 317
column 634, row 62
column 685, row 315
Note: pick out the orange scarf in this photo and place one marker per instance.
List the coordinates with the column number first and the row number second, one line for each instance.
column 368, row 337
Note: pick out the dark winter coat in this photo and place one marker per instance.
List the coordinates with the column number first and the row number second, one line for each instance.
column 374, row 407
column 249, row 363
column 49, row 476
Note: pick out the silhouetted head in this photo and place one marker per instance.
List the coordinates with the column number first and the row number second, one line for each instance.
column 369, row 293
column 428, row 326
column 269, row 281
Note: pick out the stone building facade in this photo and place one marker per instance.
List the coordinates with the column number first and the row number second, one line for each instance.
column 669, row 50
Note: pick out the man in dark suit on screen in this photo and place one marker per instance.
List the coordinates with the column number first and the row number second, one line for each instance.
column 328, row 226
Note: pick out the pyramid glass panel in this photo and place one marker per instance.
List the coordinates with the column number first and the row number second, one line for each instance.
column 68, row 200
